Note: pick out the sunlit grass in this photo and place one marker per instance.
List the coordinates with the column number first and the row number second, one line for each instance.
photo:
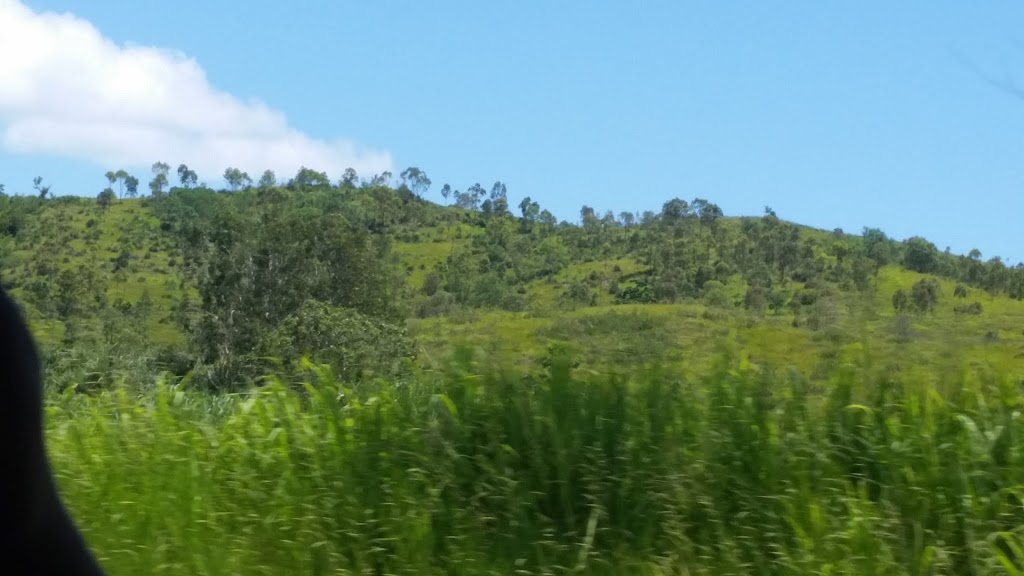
column 481, row 471
column 81, row 234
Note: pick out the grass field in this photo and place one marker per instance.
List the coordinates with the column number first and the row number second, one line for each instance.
column 689, row 334
column 472, row 471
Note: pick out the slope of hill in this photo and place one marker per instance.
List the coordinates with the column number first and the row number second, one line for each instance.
column 654, row 288
column 119, row 251
column 889, row 450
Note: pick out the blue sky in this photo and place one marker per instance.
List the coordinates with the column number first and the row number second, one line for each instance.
column 834, row 114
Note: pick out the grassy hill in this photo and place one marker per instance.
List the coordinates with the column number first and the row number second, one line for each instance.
column 690, row 334
column 72, row 234
column 454, row 390
column 129, row 254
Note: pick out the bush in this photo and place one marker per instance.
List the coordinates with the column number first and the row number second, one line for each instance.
column 431, row 283
column 174, row 361
column 638, row 293
column 577, row 293
column 615, row 338
column 807, row 297
column 756, row 299
column 715, row 294
column 823, row 315
column 900, row 301
column 924, row 295
column 902, row 329
column 351, row 343
column 974, row 308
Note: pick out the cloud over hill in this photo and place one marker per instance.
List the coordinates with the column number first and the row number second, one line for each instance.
column 67, row 90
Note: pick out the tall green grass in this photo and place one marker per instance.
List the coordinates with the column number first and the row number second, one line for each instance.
column 482, row 471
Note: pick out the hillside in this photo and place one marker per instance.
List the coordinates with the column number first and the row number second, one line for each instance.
column 138, row 275
column 318, row 378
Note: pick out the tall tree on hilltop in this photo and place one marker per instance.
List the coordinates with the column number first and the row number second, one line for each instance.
column 920, row 255
column 37, row 183
column 529, row 209
column 674, row 210
column 307, row 178
column 588, row 217
column 877, row 246
column 236, row 179
column 470, row 199
column 499, row 199
column 707, row 212
column 349, row 178
column 416, row 180
column 547, row 220
column 120, row 177
column 106, row 198
column 187, row 177
column 996, row 278
column 383, row 179
column 267, row 180
column 924, row 295
column 131, row 186
column 159, row 181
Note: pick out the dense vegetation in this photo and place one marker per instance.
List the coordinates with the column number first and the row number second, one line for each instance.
column 863, row 421
column 736, row 472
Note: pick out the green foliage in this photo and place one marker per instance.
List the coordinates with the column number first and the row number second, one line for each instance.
column 307, row 178
column 486, row 259
column 924, row 295
column 974, row 308
column 715, row 294
column 261, row 269
column 267, row 180
column 236, row 179
column 920, row 255
column 824, row 314
column 902, row 328
column 756, row 298
column 878, row 247
column 100, row 356
column 466, row 266
column 105, row 198
column 638, row 293
column 438, row 468
column 186, row 176
column 351, row 343
column 616, row 338
column 579, row 292
column 416, row 180
column 437, row 304
column 159, row 182
column 900, row 301
column 739, row 471
column 431, row 283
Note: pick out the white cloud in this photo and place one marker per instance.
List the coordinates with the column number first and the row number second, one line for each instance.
column 67, row 90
